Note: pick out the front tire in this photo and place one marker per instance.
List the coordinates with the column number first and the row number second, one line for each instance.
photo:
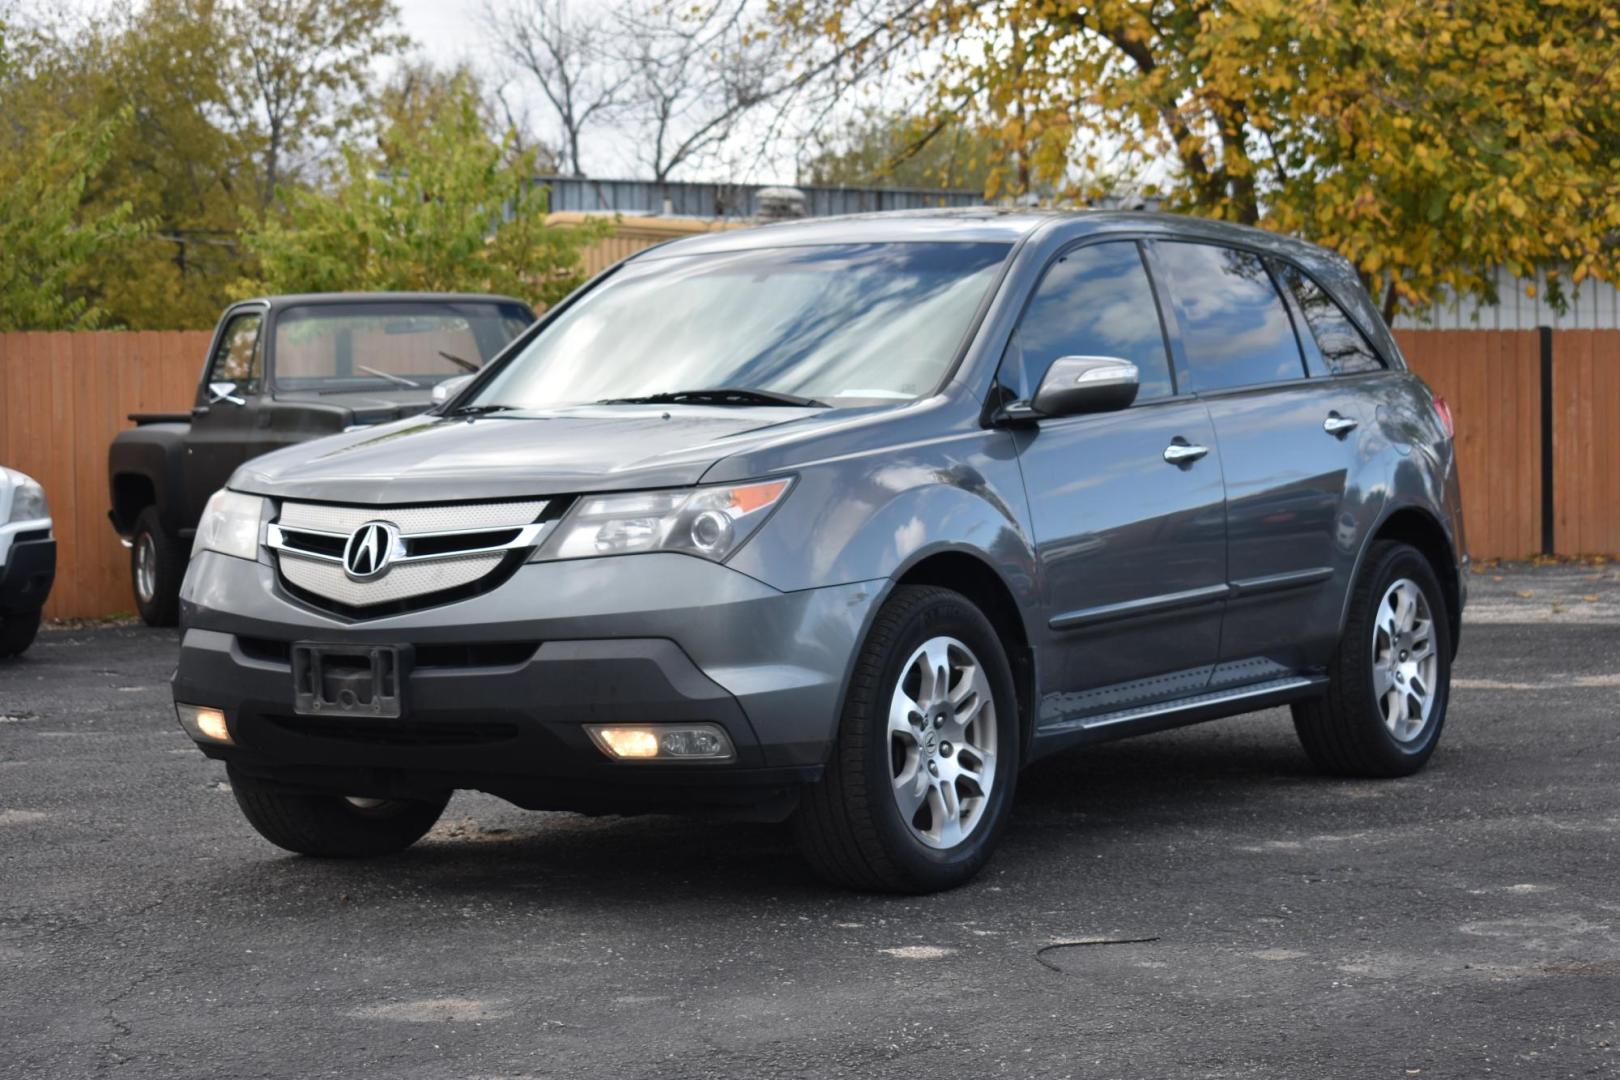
column 332, row 826
column 1391, row 676
column 157, row 562
column 17, row 632
column 916, row 794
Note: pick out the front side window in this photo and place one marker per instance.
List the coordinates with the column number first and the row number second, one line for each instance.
column 238, row 358
column 1344, row 349
column 378, row 344
column 841, row 324
column 1234, row 325
column 1093, row 301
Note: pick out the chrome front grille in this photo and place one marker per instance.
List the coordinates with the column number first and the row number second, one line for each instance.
column 423, row 550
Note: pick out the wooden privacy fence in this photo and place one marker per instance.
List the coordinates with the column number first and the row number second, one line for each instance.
column 1530, row 407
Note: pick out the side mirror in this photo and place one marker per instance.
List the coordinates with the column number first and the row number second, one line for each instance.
column 1085, row 384
column 449, row 388
column 224, row 391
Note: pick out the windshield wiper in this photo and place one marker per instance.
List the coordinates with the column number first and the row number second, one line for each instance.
column 723, row 395
column 464, row 365
column 478, row 410
column 398, row 380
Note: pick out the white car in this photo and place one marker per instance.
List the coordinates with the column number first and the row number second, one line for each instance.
column 27, row 559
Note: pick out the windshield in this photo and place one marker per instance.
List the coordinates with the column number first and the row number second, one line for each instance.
column 367, row 346
column 846, row 323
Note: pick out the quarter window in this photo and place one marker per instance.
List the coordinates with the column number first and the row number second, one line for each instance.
column 238, row 358
column 1345, row 349
column 1094, row 301
column 1234, row 325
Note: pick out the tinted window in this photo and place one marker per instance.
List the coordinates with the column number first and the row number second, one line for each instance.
column 1345, row 350
column 1234, row 326
column 237, row 360
column 859, row 322
column 1094, row 301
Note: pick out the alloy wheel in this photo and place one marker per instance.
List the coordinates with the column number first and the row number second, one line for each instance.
column 145, row 567
column 942, row 742
column 1405, row 666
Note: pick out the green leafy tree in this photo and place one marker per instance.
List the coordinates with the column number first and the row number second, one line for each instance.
column 437, row 205
column 908, row 151
column 46, row 238
column 232, row 98
column 1428, row 142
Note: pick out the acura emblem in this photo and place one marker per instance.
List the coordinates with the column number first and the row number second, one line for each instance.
column 370, row 550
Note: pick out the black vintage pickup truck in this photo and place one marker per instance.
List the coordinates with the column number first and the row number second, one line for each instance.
column 283, row 369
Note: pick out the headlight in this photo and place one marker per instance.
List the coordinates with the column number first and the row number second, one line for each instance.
column 711, row 522
column 230, row 525
column 27, row 498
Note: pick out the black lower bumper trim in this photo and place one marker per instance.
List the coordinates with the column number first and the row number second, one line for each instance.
column 26, row 579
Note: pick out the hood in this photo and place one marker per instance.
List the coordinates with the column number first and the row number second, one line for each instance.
column 562, row 451
column 375, row 406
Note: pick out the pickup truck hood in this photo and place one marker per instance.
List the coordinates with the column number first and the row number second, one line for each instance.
column 560, row 451
column 367, row 406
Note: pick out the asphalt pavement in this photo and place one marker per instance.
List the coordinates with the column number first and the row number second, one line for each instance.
column 1192, row 904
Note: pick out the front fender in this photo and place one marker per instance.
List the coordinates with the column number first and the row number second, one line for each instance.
column 874, row 515
column 154, row 453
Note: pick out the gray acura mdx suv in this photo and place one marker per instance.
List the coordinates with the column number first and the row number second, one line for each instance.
column 845, row 521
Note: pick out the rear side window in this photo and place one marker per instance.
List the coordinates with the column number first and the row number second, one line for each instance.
column 1234, row 325
column 1345, row 349
column 1094, row 301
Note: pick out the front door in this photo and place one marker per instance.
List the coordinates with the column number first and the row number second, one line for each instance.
column 222, row 420
column 1127, row 507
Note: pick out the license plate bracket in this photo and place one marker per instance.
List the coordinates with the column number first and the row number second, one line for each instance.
column 349, row 680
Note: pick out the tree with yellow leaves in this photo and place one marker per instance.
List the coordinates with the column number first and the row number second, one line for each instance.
column 1428, row 142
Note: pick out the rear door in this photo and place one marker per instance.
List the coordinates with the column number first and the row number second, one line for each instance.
column 223, row 417
column 1289, row 444
column 1131, row 546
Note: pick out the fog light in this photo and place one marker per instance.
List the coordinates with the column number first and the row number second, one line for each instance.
column 662, row 742
column 203, row 723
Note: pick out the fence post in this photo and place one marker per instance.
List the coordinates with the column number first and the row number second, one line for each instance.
column 1548, row 545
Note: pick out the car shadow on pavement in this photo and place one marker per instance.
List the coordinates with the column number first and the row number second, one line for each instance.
column 1066, row 807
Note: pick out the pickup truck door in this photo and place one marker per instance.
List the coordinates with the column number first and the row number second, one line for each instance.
column 223, row 418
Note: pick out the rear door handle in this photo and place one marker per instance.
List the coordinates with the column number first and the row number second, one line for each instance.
column 1339, row 425
column 1184, row 453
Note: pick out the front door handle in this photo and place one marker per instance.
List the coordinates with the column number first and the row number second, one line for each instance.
column 1339, row 425
column 1184, row 453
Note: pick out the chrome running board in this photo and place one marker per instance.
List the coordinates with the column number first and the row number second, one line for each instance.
column 1192, row 709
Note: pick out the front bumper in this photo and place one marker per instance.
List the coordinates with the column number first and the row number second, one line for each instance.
column 27, row 570
column 503, row 683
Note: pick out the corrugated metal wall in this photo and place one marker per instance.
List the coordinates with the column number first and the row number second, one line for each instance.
column 1595, row 305
column 571, row 194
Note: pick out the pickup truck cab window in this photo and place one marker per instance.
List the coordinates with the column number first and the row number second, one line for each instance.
column 1334, row 339
column 1234, row 325
column 337, row 347
column 240, row 356
column 1093, row 301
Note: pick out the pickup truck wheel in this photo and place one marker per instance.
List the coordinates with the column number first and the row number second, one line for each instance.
column 157, row 562
column 1391, row 678
column 17, row 632
column 332, row 826
column 917, row 790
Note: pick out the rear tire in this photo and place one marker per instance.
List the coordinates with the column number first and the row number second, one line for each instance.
column 332, row 826
column 157, row 562
column 17, row 632
column 1391, row 676
column 945, row 748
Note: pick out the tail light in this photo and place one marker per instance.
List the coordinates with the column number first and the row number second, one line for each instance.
column 1442, row 412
